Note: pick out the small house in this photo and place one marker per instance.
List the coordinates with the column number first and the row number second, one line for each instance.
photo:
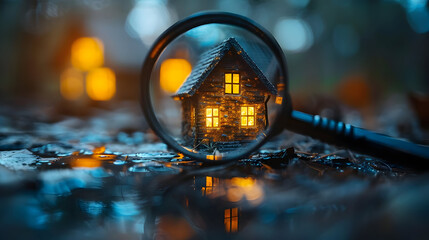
column 224, row 99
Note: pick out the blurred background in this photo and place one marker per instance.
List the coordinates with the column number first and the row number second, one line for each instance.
column 69, row 98
column 364, row 62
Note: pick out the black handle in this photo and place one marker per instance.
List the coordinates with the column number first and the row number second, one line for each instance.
column 378, row 145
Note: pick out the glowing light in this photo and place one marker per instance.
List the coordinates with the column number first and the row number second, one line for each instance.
column 148, row 19
column 86, row 162
column 231, row 219
column 173, row 73
column 212, row 117
column 294, row 35
column 71, row 84
column 99, row 150
column 180, row 156
column 101, row 84
column 87, row 53
column 247, row 116
column 210, row 187
column 279, row 100
column 91, row 161
column 214, row 157
column 232, row 81
column 247, row 188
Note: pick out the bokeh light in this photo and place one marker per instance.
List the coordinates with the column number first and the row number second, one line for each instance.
column 206, row 35
column 71, row 84
column 247, row 188
column 173, row 73
column 148, row 19
column 87, row 53
column 417, row 14
column 293, row 35
column 101, row 84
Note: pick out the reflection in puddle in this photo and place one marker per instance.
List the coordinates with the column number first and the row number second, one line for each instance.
column 166, row 196
column 140, row 195
column 231, row 220
column 213, row 204
column 234, row 189
column 210, row 184
column 247, row 188
column 91, row 161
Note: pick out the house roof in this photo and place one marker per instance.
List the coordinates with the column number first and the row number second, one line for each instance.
column 209, row 61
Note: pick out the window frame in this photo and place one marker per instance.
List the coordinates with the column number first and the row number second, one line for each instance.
column 212, row 117
column 232, row 84
column 230, row 220
column 247, row 115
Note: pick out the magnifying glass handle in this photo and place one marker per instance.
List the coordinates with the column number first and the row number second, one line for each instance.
column 364, row 141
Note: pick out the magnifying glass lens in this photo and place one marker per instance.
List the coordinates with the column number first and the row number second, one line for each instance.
column 216, row 91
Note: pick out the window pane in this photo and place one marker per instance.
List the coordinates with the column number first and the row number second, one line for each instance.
column 251, row 121
column 208, row 112
column 243, row 121
column 209, row 122
column 215, row 122
column 236, row 88
column 208, row 181
column 251, row 110
column 227, row 213
column 234, row 212
column 236, row 78
column 227, row 77
column 227, row 226
column 243, row 111
column 228, row 88
column 215, row 112
column 234, row 224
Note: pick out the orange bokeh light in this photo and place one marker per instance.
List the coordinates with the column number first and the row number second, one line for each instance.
column 87, row 53
column 173, row 73
column 245, row 188
column 101, row 84
column 71, row 84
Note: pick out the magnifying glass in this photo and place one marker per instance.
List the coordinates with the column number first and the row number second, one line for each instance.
column 214, row 86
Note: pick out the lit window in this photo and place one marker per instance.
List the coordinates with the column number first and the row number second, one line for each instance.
column 212, row 117
column 247, row 116
column 232, row 83
column 211, row 184
column 231, row 220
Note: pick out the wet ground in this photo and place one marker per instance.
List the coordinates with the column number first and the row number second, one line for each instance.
column 105, row 176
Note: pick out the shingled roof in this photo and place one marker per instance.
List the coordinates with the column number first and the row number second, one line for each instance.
column 209, row 61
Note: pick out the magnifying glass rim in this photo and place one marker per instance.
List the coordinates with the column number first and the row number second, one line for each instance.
column 182, row 27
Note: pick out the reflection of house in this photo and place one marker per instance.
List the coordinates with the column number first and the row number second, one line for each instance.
column 224, row 214
column 210, row 185
column 231, row 219
column 225, row 97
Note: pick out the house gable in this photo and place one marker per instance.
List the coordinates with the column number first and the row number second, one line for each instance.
column 232, row 63
column 209, row 62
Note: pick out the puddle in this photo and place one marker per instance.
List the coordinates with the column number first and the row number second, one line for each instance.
column 94, row 192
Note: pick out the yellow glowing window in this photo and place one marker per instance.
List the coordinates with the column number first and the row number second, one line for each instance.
column 231, row 219
column 211, row 183
column 212, row 117
column 232, row 83
column 247, row 116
